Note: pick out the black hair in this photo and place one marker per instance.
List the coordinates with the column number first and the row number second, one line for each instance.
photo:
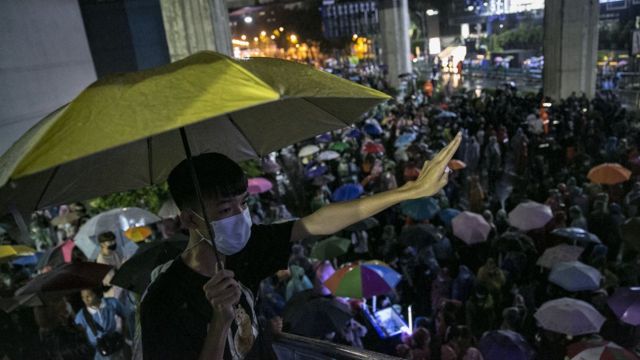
column 219, row 177
column 106, row 236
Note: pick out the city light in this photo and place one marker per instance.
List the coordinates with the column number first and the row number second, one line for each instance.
column 432, row 12
column 273, row 37
column 354, row 37
column 255, row 39
column 470, row 7
column 263, row 33
column 501, row 26
column 248, row 19
column 293, row 38
column 281, row 29
column 243, row 37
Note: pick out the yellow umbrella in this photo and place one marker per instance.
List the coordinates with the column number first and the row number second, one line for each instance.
column 138, row 234
column 130, row 126
column 10, row 252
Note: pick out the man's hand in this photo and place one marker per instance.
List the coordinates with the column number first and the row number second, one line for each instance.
column 223, row 292
column 433, row 175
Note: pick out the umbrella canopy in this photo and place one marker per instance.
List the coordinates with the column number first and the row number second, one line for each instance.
column 347, row 192
column 313, row 170
column 308, row 150
column 117, row 221
column 372, row 128
column 405, row 140
column 309, row 315
column 420, row 235
column 362, row 280
column 169, row 210
column 8, row 305
column 457, row 164
column 569, row 316
column 575, row 276
column 324, row 138
column 559, row 254
column 630, row 232
column 354, row 133
column 530, row 215
column 505, row 344
column 251, row 107
column 445, row 114
column 366, row 224
column 328, row 155
column 57, row 255
column 577, row 235
column 10, row 252
column 259, row 185
column 470, row 228
column 66, row 278
column 420, row 209
column 373, row 148
column 330, row 248
column 446, row 215
column 598, row 350
column 66, row 218
column 135, row 273
column 138, row 233
column 339, row 146
column 625, row 303
column 609, row 174
column 29, row 260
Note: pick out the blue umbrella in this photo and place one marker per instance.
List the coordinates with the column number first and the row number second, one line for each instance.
column 577, row 234
column 313, row 170
column 30, row 260
column 354, row 133
column 347, row 192
column 505, row 344
column 372, row 128
column 445, row 114
column 446, row 215
column 324, row 138
column 420, row 209
column 405, row 139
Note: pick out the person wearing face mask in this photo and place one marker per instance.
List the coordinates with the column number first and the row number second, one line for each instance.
column 109, row 256
column 189, row 311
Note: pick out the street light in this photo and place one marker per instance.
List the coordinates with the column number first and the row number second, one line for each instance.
column 248, row 19
column 354, row 37
column 263, row 33
column 293, row 38
column 273, row 37
column 255, row 39
column 243, row 37
column 432, row 12
column 281, row 29
column 470, row 8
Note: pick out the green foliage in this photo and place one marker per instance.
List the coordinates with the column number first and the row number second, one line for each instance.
column 615, row 35
column 150, row 198
column 525, row 36
column 251, row 167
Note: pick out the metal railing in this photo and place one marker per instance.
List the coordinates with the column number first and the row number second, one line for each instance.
column 294, row 347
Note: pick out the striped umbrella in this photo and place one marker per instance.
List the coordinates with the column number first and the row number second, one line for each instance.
column 598, row 350
column 363, row 280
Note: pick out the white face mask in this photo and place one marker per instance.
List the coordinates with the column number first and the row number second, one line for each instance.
column 231, row 233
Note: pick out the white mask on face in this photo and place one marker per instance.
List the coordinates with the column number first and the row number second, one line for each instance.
column 231, row 233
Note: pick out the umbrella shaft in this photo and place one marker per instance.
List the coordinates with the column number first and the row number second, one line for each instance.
column 196, row 185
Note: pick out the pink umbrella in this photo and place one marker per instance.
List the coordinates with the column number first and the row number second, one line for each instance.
column 470, row 228
column 259, row 186
column 530, row 215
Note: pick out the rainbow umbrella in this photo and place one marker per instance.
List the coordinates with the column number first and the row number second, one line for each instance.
column 598, row 350
column 363, row 280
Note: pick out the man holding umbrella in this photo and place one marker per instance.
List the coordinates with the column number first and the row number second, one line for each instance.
column 202, row 305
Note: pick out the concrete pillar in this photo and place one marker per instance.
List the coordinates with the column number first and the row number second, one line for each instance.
column 570, row 47
column 196, row 25
column 394, row 29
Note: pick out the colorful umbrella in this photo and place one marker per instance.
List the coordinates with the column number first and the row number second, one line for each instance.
column 625, row 303
column 446, row 215
column 347, row 192
column 420, row 209
column 339, row 146
column 575, row 276
column 308, row 151
column 630, row 232
column 456, row 165
column 609, row 174
column 577, row 235
column 598, row 350
column 558, row 254
column 405, row 140
column 569, row 316
column 362, row 280
column 354, row 133
column 530, row 215
column 372, row 128
column 470, row 228
column 505, row 344
column 10, row 252
column 243, row 108
column 328, row 155
column 259, row 185
column 330, row 248
column 138, row 233
column 29, row 260
column 324, row 138
column 313, row 170
column 67, row 278
column 373, row 148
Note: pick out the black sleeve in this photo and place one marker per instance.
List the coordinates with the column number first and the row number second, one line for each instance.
column 267, row 251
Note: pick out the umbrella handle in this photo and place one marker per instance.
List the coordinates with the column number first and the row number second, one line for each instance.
column 196, row 185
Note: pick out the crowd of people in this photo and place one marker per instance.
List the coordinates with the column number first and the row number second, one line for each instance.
column 515, row 148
